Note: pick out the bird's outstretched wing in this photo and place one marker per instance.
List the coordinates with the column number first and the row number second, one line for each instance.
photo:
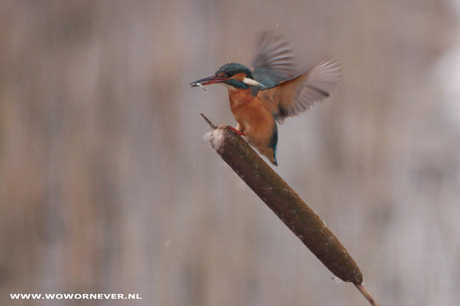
column 274, row 61
column 298, row 94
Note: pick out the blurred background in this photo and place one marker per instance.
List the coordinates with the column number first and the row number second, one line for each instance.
column 107, row 185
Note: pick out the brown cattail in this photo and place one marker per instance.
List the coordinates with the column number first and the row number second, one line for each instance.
column 285, row 203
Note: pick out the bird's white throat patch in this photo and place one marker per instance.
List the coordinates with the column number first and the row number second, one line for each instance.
column 251, row 82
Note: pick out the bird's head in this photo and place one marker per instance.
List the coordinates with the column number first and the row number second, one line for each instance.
column 233, row 75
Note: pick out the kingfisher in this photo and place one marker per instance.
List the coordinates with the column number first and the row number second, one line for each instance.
column 274, row 90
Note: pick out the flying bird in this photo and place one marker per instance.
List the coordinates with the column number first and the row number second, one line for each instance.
column 272, row 91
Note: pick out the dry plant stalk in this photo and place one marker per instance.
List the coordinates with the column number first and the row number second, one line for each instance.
column 286, row 204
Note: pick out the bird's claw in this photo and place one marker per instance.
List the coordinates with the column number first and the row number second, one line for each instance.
column 236, row 131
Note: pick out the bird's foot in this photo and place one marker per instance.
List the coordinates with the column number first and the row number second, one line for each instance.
column 236, row 131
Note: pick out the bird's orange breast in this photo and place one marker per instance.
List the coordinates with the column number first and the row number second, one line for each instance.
column 253, row 117
column 247, row 109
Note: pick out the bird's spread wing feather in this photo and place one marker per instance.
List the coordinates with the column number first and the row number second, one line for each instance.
column 274, row 61
column 298, row 94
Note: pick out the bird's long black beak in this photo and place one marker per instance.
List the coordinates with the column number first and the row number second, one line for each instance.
column 208, row 81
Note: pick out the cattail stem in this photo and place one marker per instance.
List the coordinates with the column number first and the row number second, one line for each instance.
column 285, row 203
column 366, row 294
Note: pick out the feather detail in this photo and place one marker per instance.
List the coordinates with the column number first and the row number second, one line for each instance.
column 298, row 94
column 274, row 60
